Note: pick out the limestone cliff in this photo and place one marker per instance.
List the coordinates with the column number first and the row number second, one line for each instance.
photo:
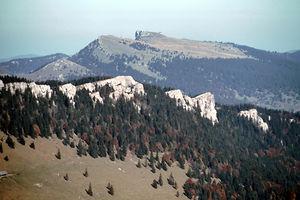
column 206, row 103
column 37, row 90
column 256, row 119
column 122, row 85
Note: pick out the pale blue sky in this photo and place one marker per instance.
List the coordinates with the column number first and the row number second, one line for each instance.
column 49, row 26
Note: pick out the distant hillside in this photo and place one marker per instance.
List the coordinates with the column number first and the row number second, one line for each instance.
column 234, row 73
column 18, row 57
column 61, row 69
column 27, row 65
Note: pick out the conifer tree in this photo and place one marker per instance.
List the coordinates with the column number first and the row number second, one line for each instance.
column 154, row 184
column 1, row 148
column 110, row 189
column 80, row 149
column 72, row 145
column 93, row 149
column 6, row 158
column 158, row 165
column 160, row 181
column 89, row 191
column 171, row 179
column 151, row 160
column 32, row 145
column 175, row 186
column 153, row 169
column 189, row 173
column 58, row 155
column 157, row 157
column 139, row 164
column 10, row 142
column 164, row 165
column 21, row 140
column 86, row 174
column 66, row 177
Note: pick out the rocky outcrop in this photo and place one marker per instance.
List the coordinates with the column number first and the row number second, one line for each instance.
column 69, row 90
column 147, row 35
column 95, row 96
column 1, row 84
column 206, row 103
column 181, row 100
column 256, row 119
column 122, row 85
column 37, row 90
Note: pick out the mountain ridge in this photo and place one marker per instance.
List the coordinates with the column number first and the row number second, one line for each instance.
column 245, row 75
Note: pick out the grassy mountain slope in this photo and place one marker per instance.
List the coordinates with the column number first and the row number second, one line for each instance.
column 40, row 175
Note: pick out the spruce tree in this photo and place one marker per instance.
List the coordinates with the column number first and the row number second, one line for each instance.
column 58, row 155
column 160, row 181
column 21, row 140
column 10, row 142
column 171, row 179
column 93, row 149
column 110, row 189
column 80, row 149
column 146, row 163
column 157, row 157
column 189, row 173
column 153, row 169
column 154, row 184
column 72, row 145
column 175, row 186
column 1, row 148
column 6, row 158
column 151, row 160
column 86, row 174
column 139, row 164
column 163, row 165
column 32, row 145
column 89, row 191
column 66, row 177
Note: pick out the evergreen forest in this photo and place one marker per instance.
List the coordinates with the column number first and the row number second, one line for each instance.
column 250, row 163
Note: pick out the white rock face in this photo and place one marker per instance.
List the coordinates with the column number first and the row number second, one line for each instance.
column 96, row 97
column 1, row 84
column 253, row 115
column 40, row 90
column 88, row 86
column 13, row 87
column 37, row 90
column 181, row 100
column 206, row 103
column 69, row 90
column 122, row 85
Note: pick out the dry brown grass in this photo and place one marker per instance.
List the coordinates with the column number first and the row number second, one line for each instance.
column 38, row 174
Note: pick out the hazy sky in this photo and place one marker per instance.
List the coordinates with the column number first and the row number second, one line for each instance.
column 49, row 26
